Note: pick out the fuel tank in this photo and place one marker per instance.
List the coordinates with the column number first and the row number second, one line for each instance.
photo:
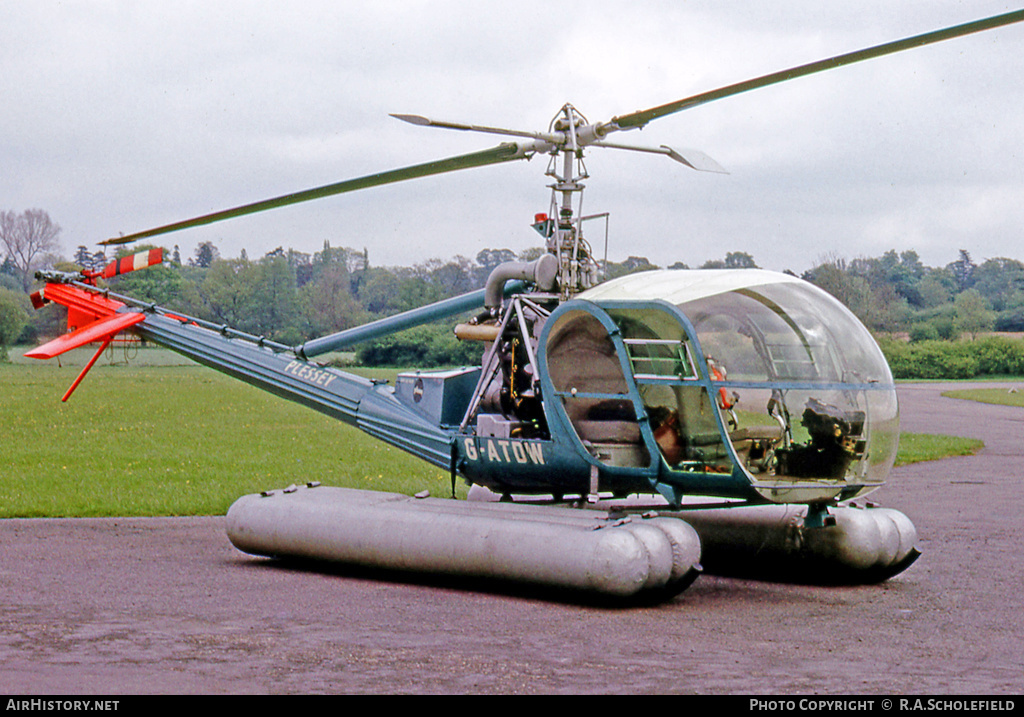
column 583, row 551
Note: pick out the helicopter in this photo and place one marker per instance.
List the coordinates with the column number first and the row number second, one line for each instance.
column 619, row 436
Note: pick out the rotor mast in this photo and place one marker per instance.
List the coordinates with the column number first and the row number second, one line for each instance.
column 577, row 268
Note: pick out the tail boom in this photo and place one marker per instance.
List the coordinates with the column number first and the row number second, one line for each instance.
column 281, row 370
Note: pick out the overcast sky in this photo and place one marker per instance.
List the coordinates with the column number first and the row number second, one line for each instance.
column 121, row 116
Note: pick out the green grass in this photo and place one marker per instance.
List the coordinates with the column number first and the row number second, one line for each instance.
column 164, row 436
column 1000, row 396
column 918, row 447
column 913, row 447
column 173, row 440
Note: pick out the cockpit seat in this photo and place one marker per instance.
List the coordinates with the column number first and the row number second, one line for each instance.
column 607, row 421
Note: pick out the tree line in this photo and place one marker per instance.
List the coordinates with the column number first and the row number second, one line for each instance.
column 896, row 293
column 291, row 296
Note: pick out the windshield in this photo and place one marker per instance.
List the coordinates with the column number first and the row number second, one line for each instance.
column 809, row 394
column 794, row 385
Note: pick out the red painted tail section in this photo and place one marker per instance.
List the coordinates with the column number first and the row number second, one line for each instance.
column 99, row 330
column 91, row 317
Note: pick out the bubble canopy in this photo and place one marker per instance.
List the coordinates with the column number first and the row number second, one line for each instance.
column 734, row 375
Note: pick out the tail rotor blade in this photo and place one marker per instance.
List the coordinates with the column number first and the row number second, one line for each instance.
column 125, row 264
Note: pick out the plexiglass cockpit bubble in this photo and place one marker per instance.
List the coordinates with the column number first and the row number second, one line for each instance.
column 772, row 375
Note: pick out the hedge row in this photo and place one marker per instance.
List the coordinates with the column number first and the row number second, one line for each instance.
column 990, row 356
column 427, row 346
column 430, row 346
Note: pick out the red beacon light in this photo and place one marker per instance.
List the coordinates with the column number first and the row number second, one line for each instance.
column 542, row 224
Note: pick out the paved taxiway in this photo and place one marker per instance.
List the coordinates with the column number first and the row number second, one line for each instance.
column 118, row 606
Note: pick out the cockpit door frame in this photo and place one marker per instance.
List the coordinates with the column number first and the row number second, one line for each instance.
column 670, row 483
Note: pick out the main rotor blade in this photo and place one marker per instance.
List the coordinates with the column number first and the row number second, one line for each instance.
column 502, row 153
column 642, row 117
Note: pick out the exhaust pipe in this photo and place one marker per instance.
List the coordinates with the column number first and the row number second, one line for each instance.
column 542, row 271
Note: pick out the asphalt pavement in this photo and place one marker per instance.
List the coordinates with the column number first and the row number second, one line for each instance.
column 168, row 606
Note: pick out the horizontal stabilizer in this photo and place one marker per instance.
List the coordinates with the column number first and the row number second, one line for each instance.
column 99, row 330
